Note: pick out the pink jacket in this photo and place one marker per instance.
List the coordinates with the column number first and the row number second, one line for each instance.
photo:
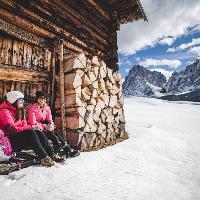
column 36, row 116
column 8, row 122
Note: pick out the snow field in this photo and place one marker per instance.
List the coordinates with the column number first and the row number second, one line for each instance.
column 160, row 161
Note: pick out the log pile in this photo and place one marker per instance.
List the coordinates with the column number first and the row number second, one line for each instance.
column 93, row 103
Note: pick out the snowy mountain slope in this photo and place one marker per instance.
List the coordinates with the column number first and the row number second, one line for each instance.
column 160, row 161
column 146, row 83
column 143, row 82
column 186, row 80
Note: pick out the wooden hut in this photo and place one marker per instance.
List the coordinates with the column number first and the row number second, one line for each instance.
column 68, row 48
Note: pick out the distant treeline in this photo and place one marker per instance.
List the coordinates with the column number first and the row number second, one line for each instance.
column 191, row 96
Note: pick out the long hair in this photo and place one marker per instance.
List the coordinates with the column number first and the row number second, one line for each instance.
column 20, row 112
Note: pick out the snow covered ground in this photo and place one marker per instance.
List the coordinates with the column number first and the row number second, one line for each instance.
column 160, row 161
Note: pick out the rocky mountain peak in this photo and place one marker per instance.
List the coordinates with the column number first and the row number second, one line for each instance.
column 142, row 82
column 186, row 80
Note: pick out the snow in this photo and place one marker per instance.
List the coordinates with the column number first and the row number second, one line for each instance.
column 160, row 161
column 156, row 90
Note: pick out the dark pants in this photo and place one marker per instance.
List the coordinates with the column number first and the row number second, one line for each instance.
column 35, row 140
column 56, row 139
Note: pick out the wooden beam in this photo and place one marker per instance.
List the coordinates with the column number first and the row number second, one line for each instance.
column 21, row 34
column 62, row 89
column 20, row 22
column 10, row 73
column 71, row 28
column 53, row 75
column 99, row 9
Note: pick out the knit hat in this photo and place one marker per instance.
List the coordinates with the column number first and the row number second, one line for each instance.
column 12, row 96
column 40, row 94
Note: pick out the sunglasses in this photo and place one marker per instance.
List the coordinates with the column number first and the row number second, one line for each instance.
column 21, row 100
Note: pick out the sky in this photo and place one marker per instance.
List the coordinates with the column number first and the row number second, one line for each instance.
column 168, row 42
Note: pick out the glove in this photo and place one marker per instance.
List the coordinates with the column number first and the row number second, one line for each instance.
column 37, row 128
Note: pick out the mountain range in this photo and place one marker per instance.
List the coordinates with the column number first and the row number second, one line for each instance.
column 143, row 82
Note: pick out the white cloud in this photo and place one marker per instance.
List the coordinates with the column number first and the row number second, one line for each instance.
column 194, row 42
column 125, row 61
column 127, row 70
column 166, row 73
column 190, row 62
column 195, row 50
column 172, row 49
column 167, row 40
column 166, row 19
column 138, row 59
column 154, row 62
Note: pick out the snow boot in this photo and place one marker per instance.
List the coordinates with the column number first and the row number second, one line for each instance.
column 47, row 162
column 69, row 152
column 57, row 158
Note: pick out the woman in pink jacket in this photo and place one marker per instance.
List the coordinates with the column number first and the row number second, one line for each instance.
column 39, row 114
column 22, row 135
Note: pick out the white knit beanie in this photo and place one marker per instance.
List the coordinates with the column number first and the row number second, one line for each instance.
column 12, row 96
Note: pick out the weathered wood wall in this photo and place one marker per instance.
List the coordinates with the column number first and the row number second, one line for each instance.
column 85, row 26
column 24, row 67
column 29, row 57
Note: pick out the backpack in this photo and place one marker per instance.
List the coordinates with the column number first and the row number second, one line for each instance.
column 5, row 147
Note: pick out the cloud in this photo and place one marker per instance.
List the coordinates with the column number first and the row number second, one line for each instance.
column 166, row 73
column 172, row 49
column 195, row 50
column 127, row 70
column 194, row 42
column 154, row 62
column 190, row 62
column 125, row 62
column 167, row 40
column 166, row 19
column 138, row 59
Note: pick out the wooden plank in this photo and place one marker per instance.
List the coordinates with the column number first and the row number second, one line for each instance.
column 21, row 33
column 40, row 22
column 99, row 9
column 20, row 22
column 62, row 89
column 53, row 72
column 10, row 73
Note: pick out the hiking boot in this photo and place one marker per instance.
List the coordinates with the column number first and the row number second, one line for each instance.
column 57, row 158
column 69, row 152
column 47, row 162
column 73, row 153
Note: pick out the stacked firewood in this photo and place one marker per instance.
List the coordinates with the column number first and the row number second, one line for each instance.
column 93, row 103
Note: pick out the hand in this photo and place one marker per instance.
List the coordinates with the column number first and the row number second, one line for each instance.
column 37, row 128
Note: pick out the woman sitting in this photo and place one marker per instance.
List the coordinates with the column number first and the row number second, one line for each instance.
column 39, row 114
column 21, row 135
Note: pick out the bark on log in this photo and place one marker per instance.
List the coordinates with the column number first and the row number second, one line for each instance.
column 75, row 122
column 76, row 111
column 90, row 138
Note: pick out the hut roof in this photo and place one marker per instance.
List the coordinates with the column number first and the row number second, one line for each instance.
column 88, row 26
column 128, row 10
